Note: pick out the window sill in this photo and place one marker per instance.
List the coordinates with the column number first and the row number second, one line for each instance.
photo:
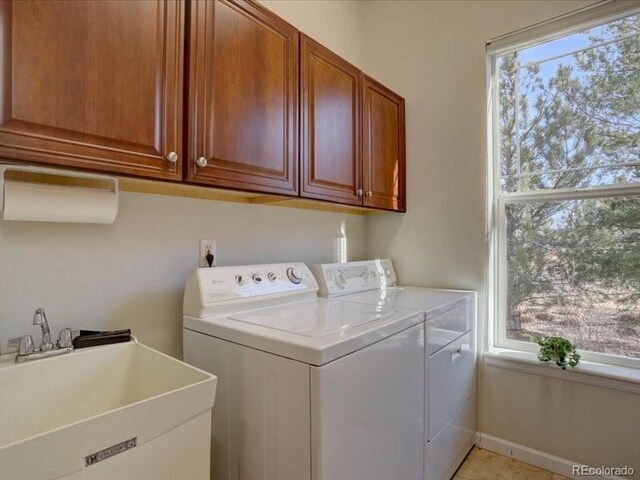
column 608, row 376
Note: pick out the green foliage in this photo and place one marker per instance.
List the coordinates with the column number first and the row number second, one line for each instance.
column 586, row 113
column 559, row 350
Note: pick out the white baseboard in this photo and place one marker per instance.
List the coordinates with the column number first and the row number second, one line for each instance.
column 554, row 464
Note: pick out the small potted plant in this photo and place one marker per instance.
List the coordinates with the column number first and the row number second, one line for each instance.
column 558, row 349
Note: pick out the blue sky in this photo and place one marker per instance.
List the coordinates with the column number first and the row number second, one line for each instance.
column 562, row 45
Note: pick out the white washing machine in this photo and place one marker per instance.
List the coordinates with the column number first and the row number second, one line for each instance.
column 450, row 352
column 308, row 388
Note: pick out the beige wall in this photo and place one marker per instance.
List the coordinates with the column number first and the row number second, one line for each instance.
column 433, row 54
column 337, row 24
column 131, row 274
column 575, row 421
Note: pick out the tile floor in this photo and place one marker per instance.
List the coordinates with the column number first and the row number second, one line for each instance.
column 486, row 465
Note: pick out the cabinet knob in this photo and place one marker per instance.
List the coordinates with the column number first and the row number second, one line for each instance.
column 201, row 162
column 359, row 192
column 172, row 157
column 369, row 193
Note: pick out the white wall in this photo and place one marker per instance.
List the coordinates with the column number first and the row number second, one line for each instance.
column 433, row 54
column 131, row 274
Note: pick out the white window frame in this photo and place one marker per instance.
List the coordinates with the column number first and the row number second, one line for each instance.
column 497, row 288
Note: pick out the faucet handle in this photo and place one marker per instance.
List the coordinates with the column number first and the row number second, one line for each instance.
column 65, row 338
column 26, row 346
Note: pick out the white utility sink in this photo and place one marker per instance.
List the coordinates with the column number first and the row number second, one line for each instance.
column 56, row 413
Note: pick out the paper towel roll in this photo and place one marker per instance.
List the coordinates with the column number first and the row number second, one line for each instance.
column 34, row 202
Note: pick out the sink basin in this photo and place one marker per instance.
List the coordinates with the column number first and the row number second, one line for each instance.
column 118, row 411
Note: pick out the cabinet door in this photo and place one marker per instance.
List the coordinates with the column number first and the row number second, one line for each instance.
column 383, row 147
column 330, row 122
column 243, row 93
column 93, row 84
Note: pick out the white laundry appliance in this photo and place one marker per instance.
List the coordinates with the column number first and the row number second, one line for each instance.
column 308, row 388
column 450, row 352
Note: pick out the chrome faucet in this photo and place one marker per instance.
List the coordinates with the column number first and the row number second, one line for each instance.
column 40, row 318
column 27, row 350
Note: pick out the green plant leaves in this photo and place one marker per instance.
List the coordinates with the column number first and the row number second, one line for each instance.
column 559, row 350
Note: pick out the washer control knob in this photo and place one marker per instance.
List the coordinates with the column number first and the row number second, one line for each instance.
column 272, row 277
column 365, row 274
column 387, row 272
column 239, row 280
column 293, row 275
column 256, row 277
column 340, row 280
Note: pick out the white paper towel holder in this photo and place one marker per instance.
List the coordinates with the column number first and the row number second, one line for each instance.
column 56, row 202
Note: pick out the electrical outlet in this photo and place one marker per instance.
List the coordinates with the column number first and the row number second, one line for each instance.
column 206, row 246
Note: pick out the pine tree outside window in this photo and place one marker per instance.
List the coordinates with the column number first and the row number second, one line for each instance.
column 566, row 191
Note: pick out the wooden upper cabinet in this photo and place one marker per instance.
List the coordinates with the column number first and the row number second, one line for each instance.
column 243, row 98
column 383, row 147
column 99, row 85
column 93, row 84
column 330, row 125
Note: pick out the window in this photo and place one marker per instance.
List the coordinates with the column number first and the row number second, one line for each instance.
column 566, row 191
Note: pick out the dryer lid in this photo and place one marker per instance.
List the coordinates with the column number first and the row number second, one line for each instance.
column 433, row 301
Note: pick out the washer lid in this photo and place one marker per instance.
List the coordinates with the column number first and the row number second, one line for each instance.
column 315, row 319
column 314, row 331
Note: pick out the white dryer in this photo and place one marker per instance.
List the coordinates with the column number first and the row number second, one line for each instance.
column 450, row 352
column 308, row 388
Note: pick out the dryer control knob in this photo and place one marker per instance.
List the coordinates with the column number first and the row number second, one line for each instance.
column 293, row 275
column 340, row 279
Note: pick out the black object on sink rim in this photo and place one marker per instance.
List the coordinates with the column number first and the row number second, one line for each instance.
column 93, row 338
